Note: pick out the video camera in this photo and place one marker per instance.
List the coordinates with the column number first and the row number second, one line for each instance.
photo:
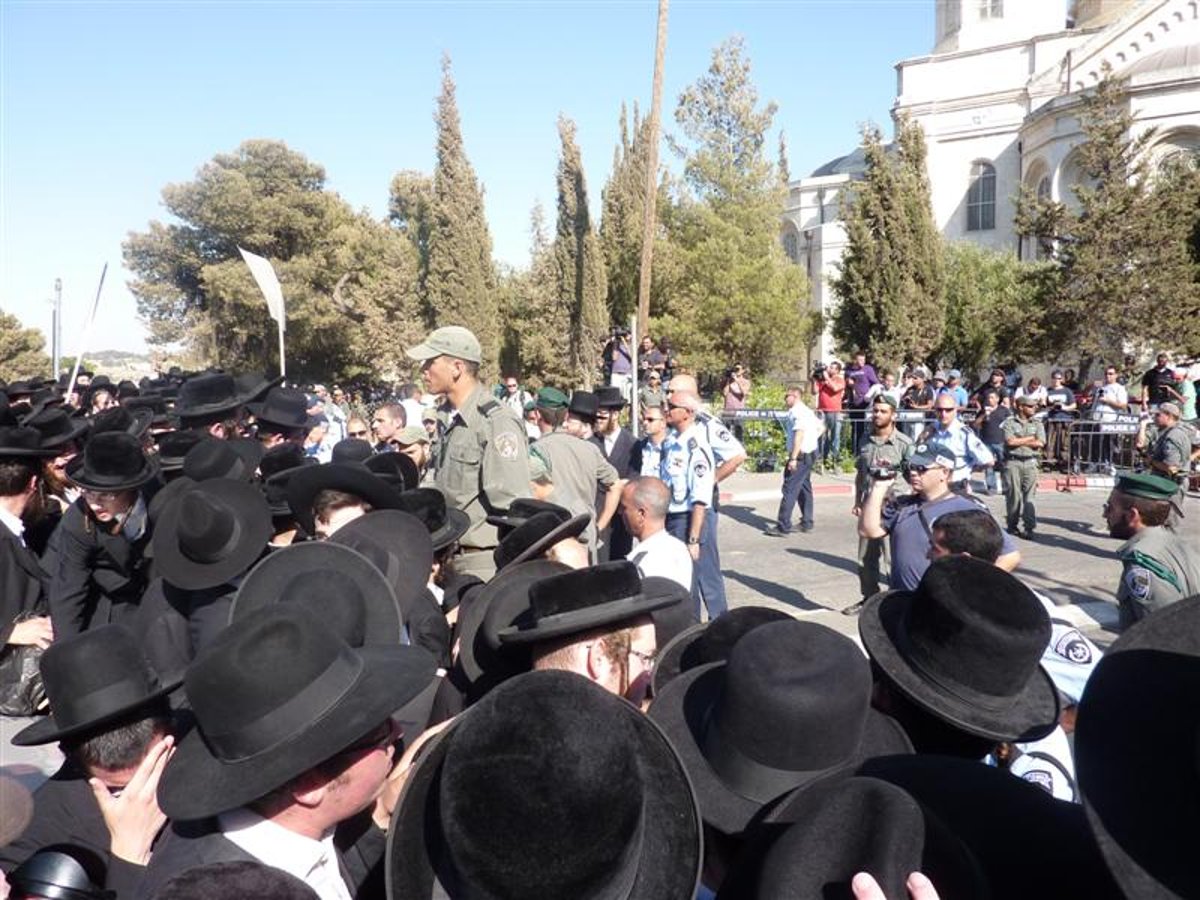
column 818, row 372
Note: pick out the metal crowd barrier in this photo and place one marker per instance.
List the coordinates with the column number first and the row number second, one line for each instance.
column 1100, row 448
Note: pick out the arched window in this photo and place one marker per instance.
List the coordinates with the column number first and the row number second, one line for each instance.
column 791, row 245
column 1043, row 188
column 981, row 198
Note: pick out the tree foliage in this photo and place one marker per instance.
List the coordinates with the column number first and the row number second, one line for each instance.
column 1124, row 262
column 578, row 264
column 622, row 216
column 21, row 350
column 890, row 282
column 732, row 295
column 335, row 265
column 460, row 284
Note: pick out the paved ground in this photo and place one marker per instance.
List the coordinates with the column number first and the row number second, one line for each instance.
column 815, row 575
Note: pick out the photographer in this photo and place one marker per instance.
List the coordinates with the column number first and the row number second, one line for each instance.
column 830, row 388
column 907, row 521
column 618, row 361
column 735, row 390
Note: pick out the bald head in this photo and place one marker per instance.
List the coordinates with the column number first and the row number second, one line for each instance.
column 683, row 383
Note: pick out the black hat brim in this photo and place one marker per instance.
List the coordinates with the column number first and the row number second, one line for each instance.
column 609, row 612
column 669, row 663
column 263, row 585
column 78, row 427
column 1031, row 715
column 352, row 479
column 572, row 528
column 252, row 514
column 75, row 472
column 671, row 851
column 1135, row 753
column 47, row 731
column 197, row 785
column 456, row 525
column 683, row 707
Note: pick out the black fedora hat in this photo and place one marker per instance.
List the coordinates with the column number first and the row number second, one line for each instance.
column 1136, row 752
column 1027, row 843
column 343, row 587
column 122, row 418
column 215, row 458
column 57, row 427
column 209, row 394
column 92, row 678
column 536, row 535
column 674, row 618
column 276, row 469
column 521, row 510
column 444, row 523
column 548, row 787
column 405, row 541
column 582, row 599
column 822, row 835
column 154, row 404
column 710, row 642
column 351, row 450
column 305, row 484
column 212, row 531
column 164, row 499
column 792, row 704
column 493, row 608
column 610, row 397
column 252, row 386
column 23, row 441
column 55, row 874
column 173, row 448
column 273, row 698
column 966, row 646
column 283, row 408
column 113, row 461
column 396, row 469
column 583, row 404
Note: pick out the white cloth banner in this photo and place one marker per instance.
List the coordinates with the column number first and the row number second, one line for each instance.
column 268, row 283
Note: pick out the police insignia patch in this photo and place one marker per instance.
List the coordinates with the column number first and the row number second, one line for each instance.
column 1041, row 778
column 1071, row 646
column 506, row 446
column 1137, row 580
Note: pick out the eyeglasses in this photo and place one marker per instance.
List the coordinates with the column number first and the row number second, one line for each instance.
column 921, row 470
column 101, row 496
column 647, row 659
column 944, row 409
column 671, row 406
column 377, row 739
column 358, row 434
column 652, row 418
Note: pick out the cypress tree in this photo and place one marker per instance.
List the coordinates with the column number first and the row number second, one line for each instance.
column 579, row 263
column 621, row 215
column 460, row 280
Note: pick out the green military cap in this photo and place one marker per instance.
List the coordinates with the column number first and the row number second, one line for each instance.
column 1150, row 487
column 888, row 399
column 412, row 434
column 452, row 340
column 551, row 398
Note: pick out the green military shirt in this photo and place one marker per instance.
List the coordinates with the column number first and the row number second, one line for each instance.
column 1158, row 569
column 1173, row 447
column 482, row 462
column 1015, row 426
column 579, row 470
column 893, row 450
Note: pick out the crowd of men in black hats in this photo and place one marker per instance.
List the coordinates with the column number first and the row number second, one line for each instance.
column 487, row 677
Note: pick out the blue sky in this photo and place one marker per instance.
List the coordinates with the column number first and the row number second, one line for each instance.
column 102, row 104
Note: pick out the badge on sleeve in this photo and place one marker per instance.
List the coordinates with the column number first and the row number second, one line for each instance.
column 506, row 445
column 1072, row 647
column 1041, row 778
column 1137, row 582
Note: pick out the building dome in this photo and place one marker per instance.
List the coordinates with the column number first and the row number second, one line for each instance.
column 1173, row 61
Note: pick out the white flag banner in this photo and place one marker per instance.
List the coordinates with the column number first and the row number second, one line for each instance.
column 268, row 283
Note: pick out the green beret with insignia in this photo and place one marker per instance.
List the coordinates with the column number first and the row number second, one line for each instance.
column 888, row 399
column 551, row 398
column 1147, row 486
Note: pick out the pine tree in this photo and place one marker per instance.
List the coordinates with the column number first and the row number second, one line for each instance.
column 21, row 350
column 460, row 284
column 579, row 264
column 1122, row 248
column 890, row 285
column 621, row 216
column 536, row 318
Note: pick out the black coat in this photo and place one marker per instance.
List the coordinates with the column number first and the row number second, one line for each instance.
column 22, row 583
column 65, row 812
column 615, row 538
column 186, row 845
column 96, row 576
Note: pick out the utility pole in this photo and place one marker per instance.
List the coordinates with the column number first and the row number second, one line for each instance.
column 56, row 327
column 649, row 218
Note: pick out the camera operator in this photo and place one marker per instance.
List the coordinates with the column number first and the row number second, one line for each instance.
column 618, row 361
column 907, row 521
column 884, row 451
column 830, row 388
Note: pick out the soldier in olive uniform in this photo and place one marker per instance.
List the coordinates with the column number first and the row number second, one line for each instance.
column 1158, row 568
column 885, row 447
column 481, row 453
column 1024, row 438
column 1168, row 448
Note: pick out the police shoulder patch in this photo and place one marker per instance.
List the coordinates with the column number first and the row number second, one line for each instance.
column 1137, row 582
column 1041, row 778
column 1072, row 647
column 507, row 445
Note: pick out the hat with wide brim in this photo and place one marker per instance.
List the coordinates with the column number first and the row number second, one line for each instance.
column 580, row 600
column 396, row 469
column 23, row 442
column 284, row 408
column 57, row 427
column 968, row 625
column 212, row 531
column 305, row 484
column 582, row 796
column 536, row 535
column 709, row 642
column 113, row 461
column 1135, row 752
column 445, row 524
column 93, row 678
column 732, row 782
column 273, row 698
column 208, row 394
column 409, row 552
column 304, row 572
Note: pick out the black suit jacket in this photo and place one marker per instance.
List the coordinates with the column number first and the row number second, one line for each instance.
column 22, row 583
column 96, row 577
column 615, row 540
column 186, row 845
column 65, row 812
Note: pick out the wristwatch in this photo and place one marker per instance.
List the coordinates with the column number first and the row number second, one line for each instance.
column 693, row 540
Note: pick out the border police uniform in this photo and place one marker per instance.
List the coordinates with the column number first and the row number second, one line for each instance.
column 892, row 451
column 1021, row 472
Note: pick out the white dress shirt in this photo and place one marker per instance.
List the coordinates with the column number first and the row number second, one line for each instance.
column 313, row 862
column 664, row 555
column 13, row 524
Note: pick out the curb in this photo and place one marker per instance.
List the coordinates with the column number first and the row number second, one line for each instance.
column 1049, row 483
